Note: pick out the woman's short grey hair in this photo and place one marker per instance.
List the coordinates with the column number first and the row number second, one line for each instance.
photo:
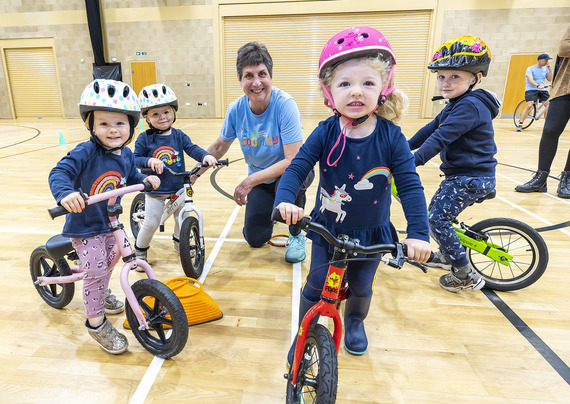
column 253, row 54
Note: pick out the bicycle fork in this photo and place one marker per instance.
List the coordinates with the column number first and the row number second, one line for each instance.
column 326, row 307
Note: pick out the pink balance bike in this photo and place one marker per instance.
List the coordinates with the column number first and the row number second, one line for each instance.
column 313, row 375
column 162, row 322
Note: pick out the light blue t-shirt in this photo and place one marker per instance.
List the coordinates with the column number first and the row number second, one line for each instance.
column 262, row 136
column 538, row 74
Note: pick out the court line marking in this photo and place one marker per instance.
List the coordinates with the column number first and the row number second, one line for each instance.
column 156, row 364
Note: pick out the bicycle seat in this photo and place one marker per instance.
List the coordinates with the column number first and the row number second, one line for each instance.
column 58, row 246
column 490, row 195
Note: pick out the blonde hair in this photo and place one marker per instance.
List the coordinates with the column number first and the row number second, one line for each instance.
column 396, row 104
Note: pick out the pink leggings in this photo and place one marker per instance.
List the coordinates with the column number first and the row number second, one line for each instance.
column 95, row 254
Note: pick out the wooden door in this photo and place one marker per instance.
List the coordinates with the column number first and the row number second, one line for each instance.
column 514, row 88
column 142, row 74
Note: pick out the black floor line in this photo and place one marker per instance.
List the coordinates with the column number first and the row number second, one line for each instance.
column 554, row 360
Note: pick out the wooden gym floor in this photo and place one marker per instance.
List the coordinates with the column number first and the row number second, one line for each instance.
column 426, row 345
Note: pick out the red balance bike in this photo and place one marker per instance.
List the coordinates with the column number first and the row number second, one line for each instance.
column 313, row 375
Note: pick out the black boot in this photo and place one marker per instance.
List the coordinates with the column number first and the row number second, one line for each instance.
column 355, row 311
column 304, row 306
column 536, row 184
column 564, row 185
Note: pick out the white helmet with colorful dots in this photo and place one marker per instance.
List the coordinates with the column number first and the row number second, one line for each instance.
column 157, row 95
column 112, row 96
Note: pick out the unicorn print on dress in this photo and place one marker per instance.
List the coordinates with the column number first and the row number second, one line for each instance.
column 334, row 202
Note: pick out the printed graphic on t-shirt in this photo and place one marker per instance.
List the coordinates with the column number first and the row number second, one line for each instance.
column 108, row 181
column 365, row 183
column 257, row 139
column 167, row 155
column 334, row 202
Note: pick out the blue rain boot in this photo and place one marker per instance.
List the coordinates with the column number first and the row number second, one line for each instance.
column 304, row 306
column 355, row 311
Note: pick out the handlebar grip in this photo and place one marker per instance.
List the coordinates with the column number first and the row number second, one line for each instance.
column 57, row 211
column 147, row 187
column 147, row 171
column 224, row 162
column 301, row 224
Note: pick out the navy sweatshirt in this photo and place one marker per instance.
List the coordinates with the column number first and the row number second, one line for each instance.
column 462, row 133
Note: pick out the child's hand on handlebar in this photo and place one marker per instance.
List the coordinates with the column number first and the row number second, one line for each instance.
column 74, row 202
column 418, row 250
column 210, row 160
column 290, row 213
column 153, row 180
column 156, row 165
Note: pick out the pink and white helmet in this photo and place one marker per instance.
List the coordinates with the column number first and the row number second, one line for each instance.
column 109, row 95
column 352, row 43
column 157, row 95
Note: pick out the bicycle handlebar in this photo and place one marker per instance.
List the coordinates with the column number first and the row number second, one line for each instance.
column 150, row 171
column 143, row 187
column 398, row 250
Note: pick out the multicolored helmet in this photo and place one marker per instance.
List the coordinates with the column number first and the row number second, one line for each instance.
column 157, row 95
column 354, row 42
column 467, row 53
column 109, row 95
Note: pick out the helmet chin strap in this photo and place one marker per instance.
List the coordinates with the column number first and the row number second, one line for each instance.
column 330, row 103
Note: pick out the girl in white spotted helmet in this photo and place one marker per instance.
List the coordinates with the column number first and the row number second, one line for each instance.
column 162, row 146
column 110, row 112
column 111, row 96
column 155, row 96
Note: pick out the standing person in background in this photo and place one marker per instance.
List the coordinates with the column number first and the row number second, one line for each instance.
column 267, row 124
column 534, row 89
column 556, row 121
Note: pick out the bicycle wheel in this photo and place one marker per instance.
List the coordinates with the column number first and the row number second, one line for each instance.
column 318, row 370
column 191, row 255
column 529, row 251
column 57, row 295
column 165, row 314
column 137, row 214
column 529, row 118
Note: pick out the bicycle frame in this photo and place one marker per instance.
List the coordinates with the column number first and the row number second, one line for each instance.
column 185, row 210
column 474, row 241
column 121, row 249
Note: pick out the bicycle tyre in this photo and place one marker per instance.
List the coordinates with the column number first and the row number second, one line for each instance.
column 57, row 295
column 518, row 112
column 317, row 378
column 191, row 254
column 137, row 214
column 529, row 250
column 165, row 313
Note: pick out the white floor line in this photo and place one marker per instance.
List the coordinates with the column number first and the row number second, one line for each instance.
column 295, row 297
column 147, row 380
column 154, row 367
column 218, row 244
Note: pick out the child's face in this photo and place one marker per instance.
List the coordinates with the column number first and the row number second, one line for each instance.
column 454, row 83
column 112, row 128
column 161, row 118
column 355, row 88
column 256, row 84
